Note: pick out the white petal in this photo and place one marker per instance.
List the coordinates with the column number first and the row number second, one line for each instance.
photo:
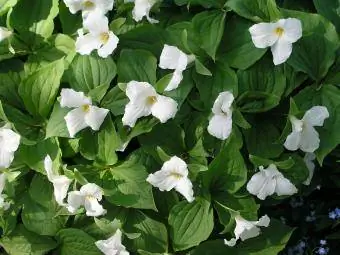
column 263, row 34
column 263, row 221
column 249, row 233
column 6, row 158
column 162, row 180
column 108, row 47
column 2, row 182
column 48, row 165
column 113, row 245
column 138, row 92
column 316, row 116
column 231, row 242
column 133, row 112
column 173, row 58
column 105, row 5
column 93, row 208
column 74, row 200
column 309, row 139
column 293, row 141
column 74, row 5
column 4, row 33
column 284, row 187
column 292, row 30
column 142, row 8
column 256, row 182
column 220, row 126
column 92, row 189
column 96, row 23
column 3, row 204
column 223, row 102
column 245, row 229
column 73, row 99
column 176, row 164
column 267, row 189
column 184, row 187
column 85, row 44
column 9, row 140
column 164, row 108
column 75, row 121
column 176, row 79
column 95, row 117
column 308, row 159
column 281, row 51
column 61, row 184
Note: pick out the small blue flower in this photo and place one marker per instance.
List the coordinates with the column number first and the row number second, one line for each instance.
column 337, row 212
column 323, row 242
column 323, row 251
column 332, row 215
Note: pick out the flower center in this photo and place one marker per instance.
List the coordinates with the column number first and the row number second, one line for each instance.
column 104, row 37
column 176, row 175
column 151, row 100
column 279, row 31
column 88, row 5
column 86, row 108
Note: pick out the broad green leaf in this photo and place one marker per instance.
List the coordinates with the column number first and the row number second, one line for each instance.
column 9, row 83
column 190, row 223
column 238, row 49
column 5, row 5
column 88, row 72
column 255, row 10
column 56, row 125
column 115, row 100
column 39, row 98
column 298, row 172
column 209, row 26
column 329, row 9
column 34, row 19
column 24, row 242
column 137, row 65
column 76, row 242
column 204, row 3
column 70, row 23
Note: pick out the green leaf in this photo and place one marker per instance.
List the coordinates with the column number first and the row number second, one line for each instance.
column 204, row 3
column 9, row 82
column 329, row 9
column 255, row 10
column 201, row 69
column 70, row 23
column 76, row 242
column 88, row 72
column 209, row 26
column 39, row 98
column 24, row 242
column 36, row 24
column 56, row 125
column 137, row 65
column 115, row 100
column 238, row 48
column 190, row 223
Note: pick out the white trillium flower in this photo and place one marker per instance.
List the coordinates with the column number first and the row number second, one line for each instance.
column 84, row 115
column 60, row 182
column 174, row 59
column 113, row 245
column 3, row 204
column 279, row 36
column 173, row 174
column 5, row 33
column 99, row 37
column 87, row 6
column 269, row 181
column 220, row 125
column 88, row 196
column 142, row 8
column 304, row 135
column 144, row 101
column 9, row 143
column 247, row 229
column 309, row 158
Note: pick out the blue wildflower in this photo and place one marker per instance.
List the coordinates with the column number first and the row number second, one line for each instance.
column 323, row 242
column 323, row 251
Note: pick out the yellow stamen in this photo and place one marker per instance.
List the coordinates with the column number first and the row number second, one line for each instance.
column 176, row 175
column 104, row 37
column 86, row 108
column 279, row 31
column 88, row 4
column 151, row 100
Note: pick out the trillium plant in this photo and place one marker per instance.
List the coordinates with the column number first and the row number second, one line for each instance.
column 159, row 127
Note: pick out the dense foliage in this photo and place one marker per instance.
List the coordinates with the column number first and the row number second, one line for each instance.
column 170, row 127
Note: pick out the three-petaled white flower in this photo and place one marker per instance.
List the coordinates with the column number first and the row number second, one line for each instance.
column 88, row 196
column 84, row 115
column 174, row 59
column 269, row 181
column 113, row 245
column 60, row 182
column 3, row 204
column 220, row 125
column 9, row 143
column 99, row 37
column 304, row 135
column 247, row 229
column 142, row 8
column 5, row 33
column 279, row 36
column 87, row 6
column 144, row 101
column 173, row 174
column 308, row 159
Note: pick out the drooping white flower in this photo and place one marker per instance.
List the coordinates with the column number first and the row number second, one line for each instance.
column 279, row 36
column 268, row 181
column 309, row 158
column 3, row 204
column 5, row 33
column 60, row 182
column 144, row 101
column 87, row 6
column 173, row 174
column 142, row 8
column 99, row 37
column 304, row 135
column 220, row 125
column 88, row 196
column 9, row 143
column 113, row 245
column 174, row 59
column 84, row 115
column 247, row 229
